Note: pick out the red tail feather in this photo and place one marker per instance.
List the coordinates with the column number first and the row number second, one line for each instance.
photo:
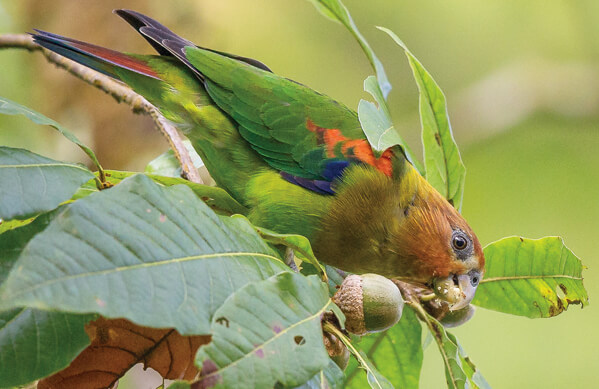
column 116, row 58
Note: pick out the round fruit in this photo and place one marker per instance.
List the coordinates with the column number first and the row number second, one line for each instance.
column 371, row 303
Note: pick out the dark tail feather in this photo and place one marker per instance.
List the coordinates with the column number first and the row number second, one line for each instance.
column 167, row 42
column 98, row 58
column 161, row 38
column 139, row 21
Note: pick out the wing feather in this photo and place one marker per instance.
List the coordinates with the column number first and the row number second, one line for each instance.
column 307, row 136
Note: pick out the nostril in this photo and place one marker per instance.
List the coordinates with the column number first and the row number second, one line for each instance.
column 455, row 280
column 474, row 278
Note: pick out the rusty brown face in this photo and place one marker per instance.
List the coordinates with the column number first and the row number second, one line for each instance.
column 442, row 249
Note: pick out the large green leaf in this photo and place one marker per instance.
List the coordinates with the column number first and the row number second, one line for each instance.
column 298, row 243
column 266, row 333
column 396, row 353
column 9, row 107
column 444, row 167
column 376, row 121
column 460, row 372
column 12, row 242
column 336, row 11
column 32, row 184
column 377, row 124
column 216, row 198
column 331, row 377
column 532, row 278
column 375, row 379
column 156, row 256
column 35, row 344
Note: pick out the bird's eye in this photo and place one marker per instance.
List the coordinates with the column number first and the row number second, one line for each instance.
column 459, row 242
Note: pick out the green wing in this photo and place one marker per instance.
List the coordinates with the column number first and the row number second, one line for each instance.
column 308, row 137
column 285, row 122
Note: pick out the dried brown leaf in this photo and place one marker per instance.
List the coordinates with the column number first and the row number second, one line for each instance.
column 117, row 345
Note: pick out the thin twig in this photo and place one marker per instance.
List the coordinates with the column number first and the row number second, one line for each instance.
column 120, row 92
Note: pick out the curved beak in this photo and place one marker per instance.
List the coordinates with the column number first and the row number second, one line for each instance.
column 456, row 290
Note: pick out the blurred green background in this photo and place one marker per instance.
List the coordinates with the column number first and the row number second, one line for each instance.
column 522, row 84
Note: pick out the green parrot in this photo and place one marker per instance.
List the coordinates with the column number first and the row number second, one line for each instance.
column 298, row 160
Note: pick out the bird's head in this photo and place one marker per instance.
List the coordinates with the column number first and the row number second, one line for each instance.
column 439, row 249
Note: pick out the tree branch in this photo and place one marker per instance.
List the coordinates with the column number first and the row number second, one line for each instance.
column 120, row 92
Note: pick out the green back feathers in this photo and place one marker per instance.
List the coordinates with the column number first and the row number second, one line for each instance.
column 272, row 112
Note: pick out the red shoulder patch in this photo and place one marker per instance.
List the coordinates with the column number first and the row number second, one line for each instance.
column 359, row 149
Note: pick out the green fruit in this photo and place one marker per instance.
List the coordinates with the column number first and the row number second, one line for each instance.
column 371, row 303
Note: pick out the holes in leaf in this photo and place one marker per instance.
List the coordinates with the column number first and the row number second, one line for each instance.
column 299, row 340
column 223, row 320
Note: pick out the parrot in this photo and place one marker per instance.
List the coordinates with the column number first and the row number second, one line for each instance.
column 297, row 159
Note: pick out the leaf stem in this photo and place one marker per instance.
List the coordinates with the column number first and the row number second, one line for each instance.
column 369, row 354
column 331, row 328
column 423, row 316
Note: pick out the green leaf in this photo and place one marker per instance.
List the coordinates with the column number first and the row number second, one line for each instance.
column 298, row 243
column 376, row 122
column 396, row 353
column 335, row 277
column 216, row 198
column 444, row 167
column 460, row 372
column 156, row 256
column 166, row 164
column 13, row 242
column 51, row 339
column 35, row 344
column 531, row 277
column 455, row 375
column 469, row 367
column 374, row 377
column 331, row 377
column 267, row 332
column 32, row 184
column 7, row 225
column 336, row 11
column 9, row 107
